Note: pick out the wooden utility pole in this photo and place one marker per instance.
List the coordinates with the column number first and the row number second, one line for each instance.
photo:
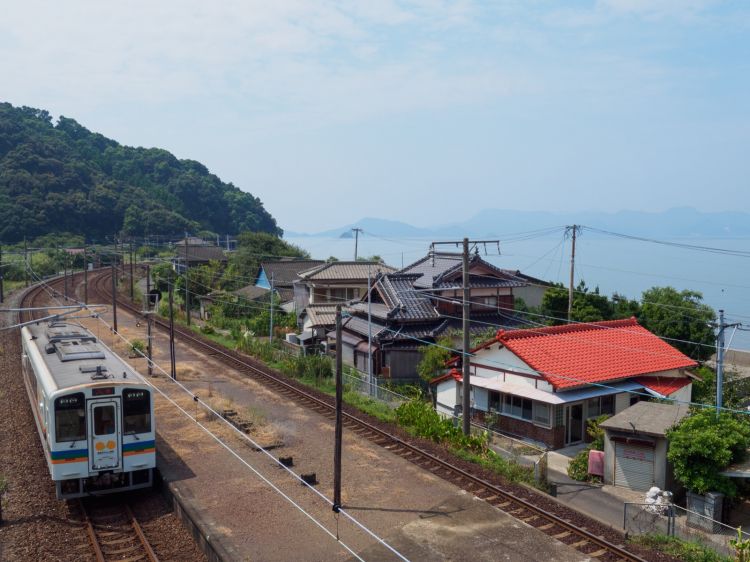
column 114, row 298
column 270, row 331
column 356, row 240
column 573, row 229
column 466, row 305
column 172, row 363
column 337, row 431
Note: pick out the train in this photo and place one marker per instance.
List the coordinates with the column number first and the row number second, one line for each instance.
column 93, row 412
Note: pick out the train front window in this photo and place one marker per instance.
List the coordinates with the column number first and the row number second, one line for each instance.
column 70, row 418
column 104, row 420
column 136, row 406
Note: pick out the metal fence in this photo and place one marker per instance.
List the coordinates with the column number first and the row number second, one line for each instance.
column 359, row 382
column 675, row 521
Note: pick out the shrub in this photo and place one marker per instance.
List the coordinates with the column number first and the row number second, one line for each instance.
column 138, row 347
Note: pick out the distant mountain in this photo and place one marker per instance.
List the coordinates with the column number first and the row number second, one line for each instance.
column 682, row 222
column 63, row 178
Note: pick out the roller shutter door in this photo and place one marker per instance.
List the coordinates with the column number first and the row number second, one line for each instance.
column 634, row 466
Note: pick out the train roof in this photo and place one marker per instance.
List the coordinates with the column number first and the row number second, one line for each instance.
column 75, row 357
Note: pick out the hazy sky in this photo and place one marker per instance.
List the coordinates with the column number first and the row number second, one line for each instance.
column 423, row 111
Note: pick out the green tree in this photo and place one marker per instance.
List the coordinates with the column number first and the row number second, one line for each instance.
column 434, row 358
column 702, row 445
column 680, row 315
column 252, row 249
column 588, row 305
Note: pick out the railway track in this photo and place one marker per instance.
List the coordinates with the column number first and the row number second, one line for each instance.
column 113, row 531
column 560, row 528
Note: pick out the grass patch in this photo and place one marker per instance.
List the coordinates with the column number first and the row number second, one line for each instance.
column 504, row 467
column 688, row 551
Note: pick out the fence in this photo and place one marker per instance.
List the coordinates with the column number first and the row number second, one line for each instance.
column 675, row 521
column 360, row 382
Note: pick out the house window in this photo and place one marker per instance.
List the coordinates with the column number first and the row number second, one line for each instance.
column 517, row 407
column 488, row 302
column 493, row 401
column 601, row 405
column 542, row 414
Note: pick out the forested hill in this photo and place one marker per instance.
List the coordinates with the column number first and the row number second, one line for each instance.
column 62, row 178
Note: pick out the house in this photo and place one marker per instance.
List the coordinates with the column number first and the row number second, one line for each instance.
column 283, row 273
column 250, row 293
column 416, row 305
column 544, row 383
column 196, row 255
column 336, row 282
column 635, row 446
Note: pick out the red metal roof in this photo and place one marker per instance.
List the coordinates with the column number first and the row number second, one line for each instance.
column 664, row 385
column 577, row 354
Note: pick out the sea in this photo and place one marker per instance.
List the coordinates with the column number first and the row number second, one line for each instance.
column 622, row 265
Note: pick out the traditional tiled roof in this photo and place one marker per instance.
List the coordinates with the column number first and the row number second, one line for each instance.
column 403, row 301
column 360, row 326
column 664, row 385
column 321, row 314
column 339, row 271
column 200, row 253
column 578, row 354
column 480, row 321
column 252, row 292
column 286, row 271
column 481, row 282
column 377, row 309
column 432, row 266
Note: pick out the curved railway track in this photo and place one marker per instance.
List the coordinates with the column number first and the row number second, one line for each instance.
column 565, row 531
column 113, row 531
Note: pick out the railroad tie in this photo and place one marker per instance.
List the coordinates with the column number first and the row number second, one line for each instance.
column 561, row 535
column 598, row 553
column 546, row 526
column 579, row 543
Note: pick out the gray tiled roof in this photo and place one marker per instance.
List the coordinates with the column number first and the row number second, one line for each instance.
column 321, row 314
column 200, row 253
column 405, row 302
column 252, row 292
column 286, row 271
column 431, row 267
column 481, row 282
column 345, row 271
column 360, row 326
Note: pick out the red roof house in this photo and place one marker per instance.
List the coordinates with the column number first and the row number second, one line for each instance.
column 545, row 382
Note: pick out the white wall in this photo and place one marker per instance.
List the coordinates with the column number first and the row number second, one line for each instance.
column 446, row 394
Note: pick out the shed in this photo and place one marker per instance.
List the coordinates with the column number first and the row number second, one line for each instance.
column 635, row 445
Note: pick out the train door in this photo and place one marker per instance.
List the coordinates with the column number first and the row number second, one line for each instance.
column 104, row 432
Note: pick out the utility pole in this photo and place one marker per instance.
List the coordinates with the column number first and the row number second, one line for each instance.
column 187, row 285
column 574, row 229
column 114, row 298
column 337, row 435
column 356, row 240
column 173, row 368
column 85, row 277
column 720, row 360
column 369, row 331
column 466, row 305
column 132, row 271
column 26, row 262
column 270, row 330
column 2, row 288
column 65, row 274
column 149, row 321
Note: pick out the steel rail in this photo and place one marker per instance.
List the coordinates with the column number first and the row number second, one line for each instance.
column 505, row 500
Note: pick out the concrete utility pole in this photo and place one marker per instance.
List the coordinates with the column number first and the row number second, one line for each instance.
column 466, row 305
column 132, row 272
column 270, row 330
column 2, row 287
column 720, row 361
column 369, row 331
column 356, row 232
column 187, row 285
column 26, row 263
column 338, row 427
column 85, row 277
column 65, row 274
column 172, row 364
column 114, row 299
column 574, row 229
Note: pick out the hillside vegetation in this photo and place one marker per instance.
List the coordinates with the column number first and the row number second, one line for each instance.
column 63, row 178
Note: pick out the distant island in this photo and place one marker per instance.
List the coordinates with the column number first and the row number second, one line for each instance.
column 680, row 222
column 63, row 178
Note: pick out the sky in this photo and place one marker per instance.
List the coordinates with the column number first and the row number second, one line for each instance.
column 423, row 111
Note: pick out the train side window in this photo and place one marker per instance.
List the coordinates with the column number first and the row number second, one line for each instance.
column 70, row 418
column 136, row 411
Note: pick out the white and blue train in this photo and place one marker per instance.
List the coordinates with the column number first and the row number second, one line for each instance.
column 95, row 415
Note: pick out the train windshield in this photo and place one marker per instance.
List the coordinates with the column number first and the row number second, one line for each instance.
column 136, row 408
column 70, row 418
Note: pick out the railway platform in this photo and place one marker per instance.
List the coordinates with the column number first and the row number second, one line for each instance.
column 239, row 516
